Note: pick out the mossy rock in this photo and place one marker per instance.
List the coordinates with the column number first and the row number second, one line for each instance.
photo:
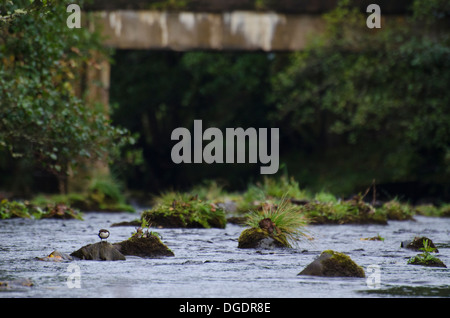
column 191, row 213
column 150, row 246
column 135, row 223
column 259, row 238
column 15, row 284
column 97, row 201
column 60, row 211
column 417, row 243
column 238, row 220
column 333, row 264
column 15, row 209
column 444, row 211
column 353, row 211
column 56, row 256
column 397, row 211
column 429, row 261
column 101, row 251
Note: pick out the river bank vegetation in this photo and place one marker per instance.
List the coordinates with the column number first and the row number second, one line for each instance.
column 354, row 106
column 210, row 205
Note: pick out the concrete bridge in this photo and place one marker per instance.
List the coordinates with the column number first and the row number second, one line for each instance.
column 267, row 25
column 240, row 25
column 182, row 25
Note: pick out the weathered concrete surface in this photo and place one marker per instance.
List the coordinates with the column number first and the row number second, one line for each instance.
column 287, row 6
column 238, row 30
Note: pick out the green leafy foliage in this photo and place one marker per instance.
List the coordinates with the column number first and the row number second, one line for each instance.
column 383, row 92
column 42, row 118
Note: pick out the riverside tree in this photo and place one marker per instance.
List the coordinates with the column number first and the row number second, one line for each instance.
column 382, row 92
column 42, row 119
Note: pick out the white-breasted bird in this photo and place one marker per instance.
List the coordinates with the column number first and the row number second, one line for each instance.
column 103, row 234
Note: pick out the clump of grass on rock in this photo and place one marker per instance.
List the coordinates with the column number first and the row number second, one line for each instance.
column 16, row 209
column 396, row 210
column 283, row 224
column 353, row 211
column 426, row 258
column 185, row 211
column 103, row 194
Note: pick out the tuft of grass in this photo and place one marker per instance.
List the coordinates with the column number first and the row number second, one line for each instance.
column 426, row 210
column 284, row 186
column 444, row 210
column 103, row 194
column 396, row 210
column 16, row 209
column 287, row 219
column 426, row 258
column 209, row 190
column 325, row 197
column 353, row 211
column 180, row 209
column 270, row 190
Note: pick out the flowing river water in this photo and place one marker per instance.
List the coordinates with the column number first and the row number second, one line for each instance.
column 208, row 263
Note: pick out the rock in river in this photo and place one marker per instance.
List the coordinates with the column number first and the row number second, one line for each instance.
column 101, row 251
column 56, row 256
column 149, row 246
column 259, row 238
column 15, row 284
column 333, row 264
column 417, row 243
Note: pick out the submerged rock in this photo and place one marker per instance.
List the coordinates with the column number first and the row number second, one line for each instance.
column 101, row 251
column 417, row 243
column 15, row 284
column 56, row 256
column 150, row 246
column 333, row 264
column 260, row 238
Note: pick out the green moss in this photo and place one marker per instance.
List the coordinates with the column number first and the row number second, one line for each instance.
column 354, row 211
column 270, row 191
column 103, row 194
column 444, row 210
column 426, row 260
column 148, row 246
column 420, row 243
column 395, row 210
column 284, row 186
column 95, row 200
column 252, row 237
column 340, row 264
column 186, row 212
column 325, row 197
column 15, row 209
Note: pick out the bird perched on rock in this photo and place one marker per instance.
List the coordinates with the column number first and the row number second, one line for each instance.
column 103, row 234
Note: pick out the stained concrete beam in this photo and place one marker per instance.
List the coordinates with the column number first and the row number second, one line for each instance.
column 218, row 6
column 237, row 30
